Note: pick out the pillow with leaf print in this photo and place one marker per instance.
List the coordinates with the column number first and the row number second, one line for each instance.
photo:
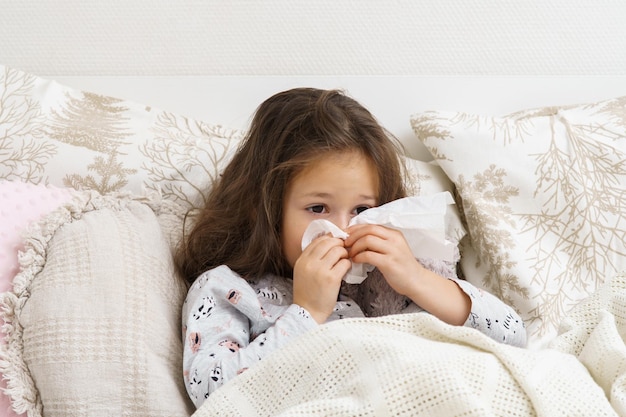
column 543, row 195
column 57, row 135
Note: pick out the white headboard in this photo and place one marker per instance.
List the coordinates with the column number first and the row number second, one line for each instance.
column 321, row 37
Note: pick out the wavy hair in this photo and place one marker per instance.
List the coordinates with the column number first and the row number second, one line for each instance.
column 240, row 225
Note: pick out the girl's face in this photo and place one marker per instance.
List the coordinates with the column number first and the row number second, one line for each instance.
column 332, row 187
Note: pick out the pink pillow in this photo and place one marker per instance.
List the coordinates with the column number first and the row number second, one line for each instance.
column 20, row 204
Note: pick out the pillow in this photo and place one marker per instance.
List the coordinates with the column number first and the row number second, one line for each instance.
column 542, row 192
column 54, row 134
column 93, row 321
column 22, row 204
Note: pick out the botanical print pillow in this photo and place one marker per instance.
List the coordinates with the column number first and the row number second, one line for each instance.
column 54, row 134
column 543, row 194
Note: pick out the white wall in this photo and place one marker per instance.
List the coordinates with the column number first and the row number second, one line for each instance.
column 323, row 37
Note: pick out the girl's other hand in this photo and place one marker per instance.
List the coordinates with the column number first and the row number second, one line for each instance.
column 317, row 276
column 387, row 250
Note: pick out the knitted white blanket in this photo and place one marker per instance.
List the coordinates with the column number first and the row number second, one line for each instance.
column 414, row 364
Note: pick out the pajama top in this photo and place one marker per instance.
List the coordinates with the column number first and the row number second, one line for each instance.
column 230, row 324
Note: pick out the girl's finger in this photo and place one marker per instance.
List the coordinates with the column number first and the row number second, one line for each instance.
column 321, row 245
column 358, row 231
column 366, row 243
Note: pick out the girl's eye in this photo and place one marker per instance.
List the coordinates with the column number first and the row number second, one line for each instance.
column 361, row 209
column 317, row 209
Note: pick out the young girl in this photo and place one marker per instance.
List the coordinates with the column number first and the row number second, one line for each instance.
column 309, row 154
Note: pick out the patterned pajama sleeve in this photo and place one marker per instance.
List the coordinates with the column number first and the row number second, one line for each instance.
column 226, row 330
column 493, row 317
column 488, row 314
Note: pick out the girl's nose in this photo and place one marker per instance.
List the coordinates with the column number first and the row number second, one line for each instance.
column 341, row 221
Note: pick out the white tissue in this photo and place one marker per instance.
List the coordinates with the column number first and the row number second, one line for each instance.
column 421, row 219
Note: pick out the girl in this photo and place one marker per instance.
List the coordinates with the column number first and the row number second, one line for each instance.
column 309, row 154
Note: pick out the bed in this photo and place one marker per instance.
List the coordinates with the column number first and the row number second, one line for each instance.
column 96, row 174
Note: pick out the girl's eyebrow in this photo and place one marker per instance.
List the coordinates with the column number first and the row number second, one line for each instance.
column 315, row 194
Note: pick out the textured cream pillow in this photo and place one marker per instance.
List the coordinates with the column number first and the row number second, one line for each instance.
column 54, row 134
column 94, row 317
column 543, row 193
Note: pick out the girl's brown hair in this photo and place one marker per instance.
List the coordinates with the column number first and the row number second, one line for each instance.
column 240, row 225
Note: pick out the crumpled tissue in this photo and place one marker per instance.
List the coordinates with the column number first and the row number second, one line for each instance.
column 421, row 219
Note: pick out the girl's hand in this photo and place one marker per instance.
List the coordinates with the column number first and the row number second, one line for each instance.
column 387, row 250
column 317, row 275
